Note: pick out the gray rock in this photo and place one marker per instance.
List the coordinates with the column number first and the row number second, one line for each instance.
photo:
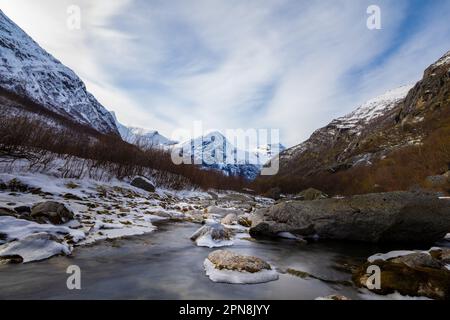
column 237, row 197
column 217, row 231
column 418, row 260
column 144, row 184
column 53, row 212
column 384, row 217
column 23, row 210
column 7, row 212
column 229, row 219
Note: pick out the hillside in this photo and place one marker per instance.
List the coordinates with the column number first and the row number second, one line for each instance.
column 31, row 74
column 392, row 142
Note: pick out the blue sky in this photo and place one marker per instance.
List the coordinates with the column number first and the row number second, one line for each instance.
column 287, row 64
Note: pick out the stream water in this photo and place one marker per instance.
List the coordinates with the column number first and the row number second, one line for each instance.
column 167, row 265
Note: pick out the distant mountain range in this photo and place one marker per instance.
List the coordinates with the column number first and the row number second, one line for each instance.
column 141, row 137
column 215, row 151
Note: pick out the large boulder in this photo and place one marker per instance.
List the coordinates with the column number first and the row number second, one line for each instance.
column 413, row 274
column 384, row 217
column 51, row 212
column 144, row 184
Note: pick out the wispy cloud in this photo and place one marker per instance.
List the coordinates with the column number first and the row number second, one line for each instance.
column 286, row 64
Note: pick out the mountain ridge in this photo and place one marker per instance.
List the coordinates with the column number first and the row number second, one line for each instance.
column 29, row 71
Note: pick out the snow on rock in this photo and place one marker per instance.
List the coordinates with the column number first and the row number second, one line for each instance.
column 35, row 247
column 111, row 231
column 31, row 72
column 389, row 255
column 236, row 277
column 17, row 229
column 212, row 235
column 368, row 295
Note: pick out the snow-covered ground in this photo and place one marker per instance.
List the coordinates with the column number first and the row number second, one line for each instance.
column 103, row 209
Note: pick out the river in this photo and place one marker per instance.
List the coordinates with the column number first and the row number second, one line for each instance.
column 167, row 265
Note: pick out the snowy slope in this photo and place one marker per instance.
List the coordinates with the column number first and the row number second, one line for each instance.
column 29, row 71
column 141, row 137
column 353, row 123
column 372, row 109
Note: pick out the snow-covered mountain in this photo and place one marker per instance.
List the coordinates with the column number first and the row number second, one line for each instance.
column 30, row 72
column 372, row 109
column 215, row 151
column 267, row 152
column 396, row 122
column 352, row 124
column 142, row 138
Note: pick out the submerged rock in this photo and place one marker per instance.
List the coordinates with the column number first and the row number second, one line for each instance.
column 144, row 184
column 384, row 217
column 229, row 267
column 50, row 211
column 414, row 274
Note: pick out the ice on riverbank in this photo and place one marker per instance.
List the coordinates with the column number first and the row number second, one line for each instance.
column 35, row 247
column 34, row 242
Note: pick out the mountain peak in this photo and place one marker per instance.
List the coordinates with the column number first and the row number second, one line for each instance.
column 445, row 59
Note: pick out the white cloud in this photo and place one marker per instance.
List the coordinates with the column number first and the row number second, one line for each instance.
column 292, row 65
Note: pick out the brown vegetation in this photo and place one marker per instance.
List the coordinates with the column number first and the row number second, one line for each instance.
column 41, row 142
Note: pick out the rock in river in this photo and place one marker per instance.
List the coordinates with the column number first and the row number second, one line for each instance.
column 383, row 217
column 213, row 236
column 410, row 274
column 229, row 267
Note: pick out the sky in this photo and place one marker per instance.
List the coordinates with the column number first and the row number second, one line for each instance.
column 292, row 65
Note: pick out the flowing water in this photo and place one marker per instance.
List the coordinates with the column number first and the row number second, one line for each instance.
column 167, row 265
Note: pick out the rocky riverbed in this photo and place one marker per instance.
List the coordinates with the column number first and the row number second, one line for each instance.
column 218, row 239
